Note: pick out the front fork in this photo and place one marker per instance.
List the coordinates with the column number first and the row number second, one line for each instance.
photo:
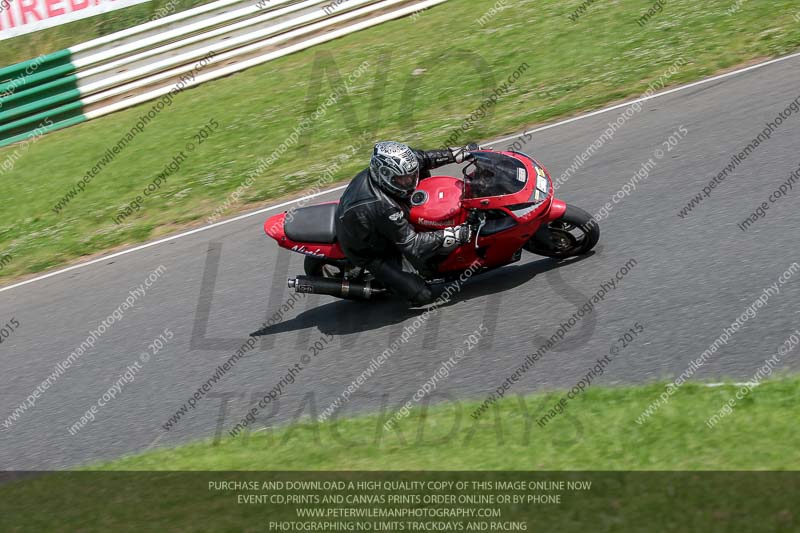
column 544, row 238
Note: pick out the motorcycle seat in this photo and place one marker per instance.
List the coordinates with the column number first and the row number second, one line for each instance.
column 315, row 223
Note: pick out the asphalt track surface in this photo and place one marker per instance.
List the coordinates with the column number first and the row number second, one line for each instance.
column 693, row 277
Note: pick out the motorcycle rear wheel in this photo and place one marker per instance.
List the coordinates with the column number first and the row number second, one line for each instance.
column 575, row 233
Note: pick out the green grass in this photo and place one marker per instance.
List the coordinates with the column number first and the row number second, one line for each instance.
column 596, row 432
column 573, row 66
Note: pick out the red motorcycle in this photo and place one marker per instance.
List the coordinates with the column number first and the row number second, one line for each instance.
column 507, row 197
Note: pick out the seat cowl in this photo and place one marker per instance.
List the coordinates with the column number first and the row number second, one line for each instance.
column 315, row 223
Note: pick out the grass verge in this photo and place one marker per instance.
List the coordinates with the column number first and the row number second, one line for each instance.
column 597, row 431
column 415, row 88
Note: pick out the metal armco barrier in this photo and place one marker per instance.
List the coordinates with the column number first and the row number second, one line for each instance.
column 151, row 60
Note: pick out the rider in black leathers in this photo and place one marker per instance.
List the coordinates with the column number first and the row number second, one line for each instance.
column 372, row 218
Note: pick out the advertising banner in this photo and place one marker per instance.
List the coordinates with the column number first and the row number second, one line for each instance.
column 18, row 17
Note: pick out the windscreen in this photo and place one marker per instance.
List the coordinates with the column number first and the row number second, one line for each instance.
column 493, row 174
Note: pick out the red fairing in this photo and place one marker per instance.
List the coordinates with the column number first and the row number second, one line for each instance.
column 441, row 201
column 274, row 228
column 436, row 204
column 557, row 208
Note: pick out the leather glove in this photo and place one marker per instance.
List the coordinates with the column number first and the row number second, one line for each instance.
column 456, row 236
column 462, row 153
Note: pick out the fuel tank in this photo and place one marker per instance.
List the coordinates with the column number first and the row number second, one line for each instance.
column 436, row 203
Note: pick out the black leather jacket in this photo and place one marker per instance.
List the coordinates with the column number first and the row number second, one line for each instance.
column 371, row 224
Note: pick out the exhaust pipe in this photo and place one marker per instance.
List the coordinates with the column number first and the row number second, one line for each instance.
column 340, row 288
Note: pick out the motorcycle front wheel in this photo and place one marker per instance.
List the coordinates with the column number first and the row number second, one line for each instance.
column 575, row 233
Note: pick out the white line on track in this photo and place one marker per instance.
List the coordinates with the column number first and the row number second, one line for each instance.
column 167, row 239
column 340, row 187
column 743, row 384
column 645, row 98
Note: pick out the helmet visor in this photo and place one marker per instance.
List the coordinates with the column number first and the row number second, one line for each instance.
column 406, row 182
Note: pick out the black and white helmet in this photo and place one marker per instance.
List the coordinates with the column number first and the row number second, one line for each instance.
column 394, row 168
